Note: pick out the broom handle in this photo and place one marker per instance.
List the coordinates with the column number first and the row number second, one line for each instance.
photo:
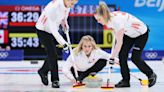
column 71, row 53
column 108, row 80
column 109, row 75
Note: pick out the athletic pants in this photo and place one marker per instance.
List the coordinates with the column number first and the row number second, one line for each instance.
column 137, row 45
column 50, row 63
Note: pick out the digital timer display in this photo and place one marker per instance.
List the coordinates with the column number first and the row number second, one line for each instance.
column 24, row 16
column 20, row 22
column 24, row 42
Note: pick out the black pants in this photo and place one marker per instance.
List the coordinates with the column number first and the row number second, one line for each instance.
column 50, row 63
column 138, row 45
column 98, row 66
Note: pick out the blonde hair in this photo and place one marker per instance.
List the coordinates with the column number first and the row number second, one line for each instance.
column 85, row 39
column 103, row 11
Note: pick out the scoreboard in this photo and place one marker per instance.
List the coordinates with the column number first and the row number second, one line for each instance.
column 82, row 22
column 18, row 25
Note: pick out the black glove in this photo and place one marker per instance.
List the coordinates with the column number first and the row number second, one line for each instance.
column 66, row 48
column 111, row 61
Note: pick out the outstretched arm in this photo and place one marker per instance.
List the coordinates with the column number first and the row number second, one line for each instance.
column 67, row 70
column 119, row 41
column 64, row 23
column 53, row 27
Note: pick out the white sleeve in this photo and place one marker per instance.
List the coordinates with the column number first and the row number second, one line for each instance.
column 104, row 54
column 119, row 22
column 52, row 25
column 65, row 22
column 67, row 68
column 66, row 17
column 54, row 29
column 118, row 25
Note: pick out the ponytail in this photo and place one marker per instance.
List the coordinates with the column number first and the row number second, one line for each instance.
column 103, row 11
